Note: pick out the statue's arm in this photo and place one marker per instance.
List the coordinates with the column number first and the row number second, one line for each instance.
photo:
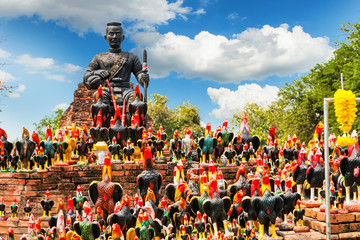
column 141, row 76
column 93, row 79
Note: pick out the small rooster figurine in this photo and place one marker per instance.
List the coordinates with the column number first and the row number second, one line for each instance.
column 139, row 106
column 128, row 151
column 102, row 106
column 158, row 145
column 79, row 200
column 27, row 208
column 47, row 204
column 315, row 175
column 225, row 134
column 188, row 142
column 14, row 209
column 2, row 208
column 115, row 150
column 207, row 144
column 149, row 178
column 299, row 214
column 176, row 146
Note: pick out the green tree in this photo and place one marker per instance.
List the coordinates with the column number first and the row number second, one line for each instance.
column 187, row 116
column 300, row 105
column 259, row 121
column 52, row 120
column 160, row 113
column 303, row 100
column 179, row 118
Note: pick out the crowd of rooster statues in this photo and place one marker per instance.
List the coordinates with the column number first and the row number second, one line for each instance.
column 199, row 203
column 273, row 183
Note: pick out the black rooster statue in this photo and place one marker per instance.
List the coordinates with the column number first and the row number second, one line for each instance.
column 149, row 178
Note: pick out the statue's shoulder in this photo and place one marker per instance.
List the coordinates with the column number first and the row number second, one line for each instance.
column 102, row 54
column 131, row 55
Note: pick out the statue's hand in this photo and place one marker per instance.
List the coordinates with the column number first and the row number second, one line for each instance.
column 145, row 78
column 103, row 74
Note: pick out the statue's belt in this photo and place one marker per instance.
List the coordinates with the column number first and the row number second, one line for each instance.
column 119, row 83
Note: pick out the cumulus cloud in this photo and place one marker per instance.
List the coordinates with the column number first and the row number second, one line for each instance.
column 4, row 54
column 43, row 65
column 6, row 77
column 17, row 91
column 231, row 102
column 59, row 78
column 70, row 68
column 91, row 15
column 62, row 106
column 253, row 54
column 35, row 62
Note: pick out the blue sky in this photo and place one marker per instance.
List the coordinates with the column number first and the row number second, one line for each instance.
column 219, row 55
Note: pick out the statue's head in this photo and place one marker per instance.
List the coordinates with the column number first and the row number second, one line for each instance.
column 114, row 34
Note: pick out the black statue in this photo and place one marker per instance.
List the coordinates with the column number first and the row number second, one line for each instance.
column 116, row 66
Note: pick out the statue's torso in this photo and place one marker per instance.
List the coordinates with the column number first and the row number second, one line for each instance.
column 106, row 60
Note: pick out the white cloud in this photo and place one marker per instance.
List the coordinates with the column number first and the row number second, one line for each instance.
column 231, row 102
column 59, row 78
column 252, row 54
column 200, row 11
column 62, row 106
column 203, row 124
column 233, row 16
column 91, row 15
column 17, row 91
column 6, row 77
column 35, row 62
column 70, row 68
column 4, row 54
column 42, row 65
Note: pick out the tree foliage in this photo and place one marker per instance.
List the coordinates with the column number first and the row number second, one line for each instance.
column 52, row 120
column 300, row 105
column 179, row 118
column 259, row 121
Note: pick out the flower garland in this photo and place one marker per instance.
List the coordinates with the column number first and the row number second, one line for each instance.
column 345, row 112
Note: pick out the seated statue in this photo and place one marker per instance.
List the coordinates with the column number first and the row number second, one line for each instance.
column 116, row 66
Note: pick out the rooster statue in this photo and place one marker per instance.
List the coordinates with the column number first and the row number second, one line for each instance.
column 225, row 134
column 25, row 148
column 188, row 141
column 139, row 106
column 175, row 146
column 8, row 146
column 47, row 204
column 267, row 209
column 315, row 175
column 149, row 178
column 350, row 169
column 245, row 133
column 105, row 194
column 71, row 145
column 120, row 132
column 158, row 145
column 100, row 105
column 47, row 145
column 207, row 144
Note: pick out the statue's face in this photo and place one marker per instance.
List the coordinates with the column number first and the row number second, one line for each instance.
column 114, row 36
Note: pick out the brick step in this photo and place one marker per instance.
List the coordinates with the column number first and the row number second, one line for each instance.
column 335, row 228
column 334, row 218
column 291, row 235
